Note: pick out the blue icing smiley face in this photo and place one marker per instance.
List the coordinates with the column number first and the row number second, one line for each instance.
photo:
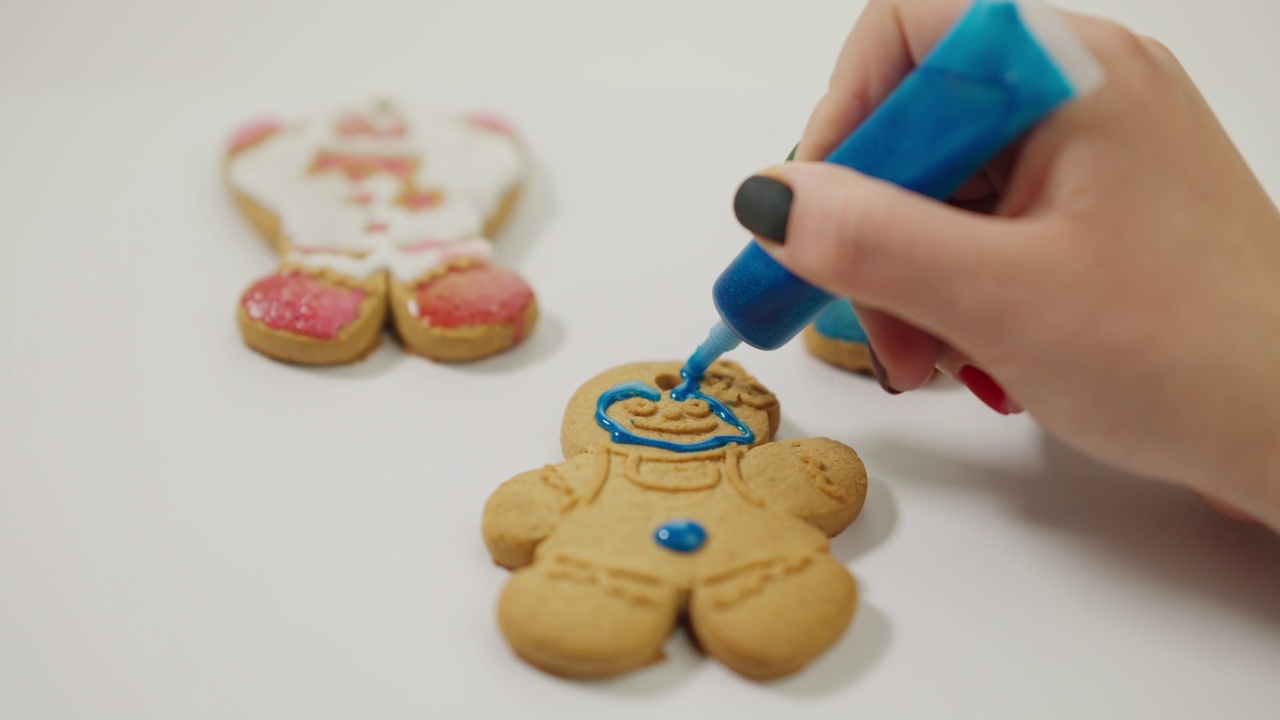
column 683, row 420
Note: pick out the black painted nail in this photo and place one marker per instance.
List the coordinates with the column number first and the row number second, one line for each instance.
column 878, row 369
column 763, row 206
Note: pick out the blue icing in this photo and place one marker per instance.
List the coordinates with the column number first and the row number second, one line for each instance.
column 689, row 389
column 840, row 323
column 683, row 536
column 984, row 84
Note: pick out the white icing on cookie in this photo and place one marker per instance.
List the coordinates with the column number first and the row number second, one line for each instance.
column 374, row 188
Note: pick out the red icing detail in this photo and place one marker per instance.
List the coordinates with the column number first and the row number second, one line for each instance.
column 252, row 133
column 362, row 198
column 428, row 244
column 359, row 167
column 357, row 125
column 491, row 122
column 376, row 227
column 476, row 295
column 421, row 199
column 297, row 302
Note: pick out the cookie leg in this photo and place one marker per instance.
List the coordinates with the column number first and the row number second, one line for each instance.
column 313, row 317
column 576, row 619
column 837, row 337
column 769, row 618
column 463, row 313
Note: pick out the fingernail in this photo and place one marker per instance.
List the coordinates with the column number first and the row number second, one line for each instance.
column 792, row 155
column 881, row 375
column 763, row 206
column 986, row 389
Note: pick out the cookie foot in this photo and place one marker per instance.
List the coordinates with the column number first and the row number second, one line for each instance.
column 769, row 618
column 464, row 313
column 837, row 338
column 313, row 317
column 577, row 619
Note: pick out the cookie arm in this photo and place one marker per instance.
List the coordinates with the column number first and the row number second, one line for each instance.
column 821, row 481
column 523, row 510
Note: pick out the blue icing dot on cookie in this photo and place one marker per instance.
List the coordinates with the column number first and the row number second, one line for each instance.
column 839, row 323
column 683, row 536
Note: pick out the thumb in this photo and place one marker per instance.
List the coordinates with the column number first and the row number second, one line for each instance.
column 938, row 267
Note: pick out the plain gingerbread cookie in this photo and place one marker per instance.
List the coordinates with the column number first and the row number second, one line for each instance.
column 614, row 546
column 376, row 211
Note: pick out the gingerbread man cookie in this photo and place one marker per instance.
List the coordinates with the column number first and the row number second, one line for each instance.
column 376, row 208
column 837, row 337
column 673, row 503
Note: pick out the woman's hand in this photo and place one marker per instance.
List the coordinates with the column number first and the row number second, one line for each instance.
column 1124, row 289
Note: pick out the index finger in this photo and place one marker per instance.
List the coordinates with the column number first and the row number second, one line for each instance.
column 888, row 40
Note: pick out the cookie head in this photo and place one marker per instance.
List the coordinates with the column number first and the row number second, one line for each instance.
column 644, row 407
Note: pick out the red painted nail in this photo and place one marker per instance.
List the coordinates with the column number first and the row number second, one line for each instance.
column 981, row 384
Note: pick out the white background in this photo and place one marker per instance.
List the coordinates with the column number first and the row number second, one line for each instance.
column 188, row 530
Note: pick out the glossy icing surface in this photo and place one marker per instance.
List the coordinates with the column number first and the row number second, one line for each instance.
column 477, row 295
column 698, row 405
column 362, row 189
column 683, row 536
column 297, row 302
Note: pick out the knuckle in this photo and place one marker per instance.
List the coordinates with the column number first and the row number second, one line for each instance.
column 1161, row 53
column 1155, row 47
column 1119, row 42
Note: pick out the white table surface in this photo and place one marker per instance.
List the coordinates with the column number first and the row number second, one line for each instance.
column 188, row 530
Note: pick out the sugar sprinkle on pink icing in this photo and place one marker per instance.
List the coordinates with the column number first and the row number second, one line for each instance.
column 297, row 302
column 477, row 295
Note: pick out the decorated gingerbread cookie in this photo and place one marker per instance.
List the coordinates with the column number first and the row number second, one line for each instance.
column 673, row 504
column 837, row 337
column 377, row 211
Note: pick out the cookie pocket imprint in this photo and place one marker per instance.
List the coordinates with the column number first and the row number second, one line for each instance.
column 671, row 508
column 375, row 208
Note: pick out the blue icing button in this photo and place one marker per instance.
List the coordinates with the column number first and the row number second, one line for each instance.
column 839, row 322
column 683, row 536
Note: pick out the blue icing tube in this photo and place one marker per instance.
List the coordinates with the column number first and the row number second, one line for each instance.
column 838, row 322
column 1001, row 68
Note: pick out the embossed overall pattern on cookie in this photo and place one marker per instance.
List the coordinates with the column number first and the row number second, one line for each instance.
column 627, row 537
column 377, row 211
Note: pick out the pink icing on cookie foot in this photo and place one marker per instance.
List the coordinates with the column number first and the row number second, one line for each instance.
column 300, row 303
column 479, row 295
column 252, row 133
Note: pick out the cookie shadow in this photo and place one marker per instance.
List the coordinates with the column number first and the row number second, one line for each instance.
column 872, row 527
column 682, row 663
column 386, row 356
column 1152, row 533
column 547, row 337
column 854, row 655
